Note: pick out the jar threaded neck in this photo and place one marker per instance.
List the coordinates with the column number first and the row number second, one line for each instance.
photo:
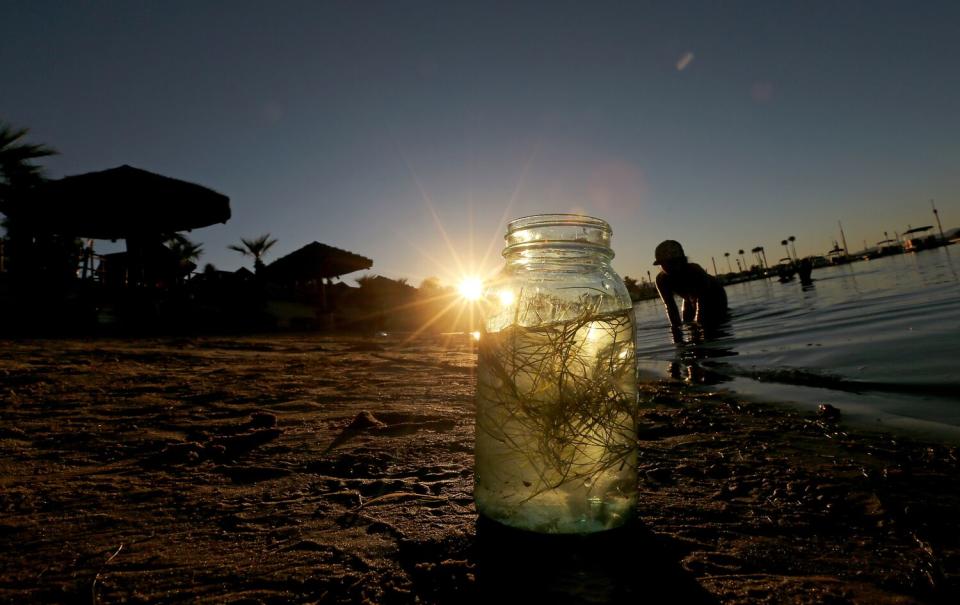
column 564, row 231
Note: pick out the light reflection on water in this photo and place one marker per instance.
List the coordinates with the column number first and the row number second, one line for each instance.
column 879, row 339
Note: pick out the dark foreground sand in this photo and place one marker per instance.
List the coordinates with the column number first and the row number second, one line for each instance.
column 244, row 470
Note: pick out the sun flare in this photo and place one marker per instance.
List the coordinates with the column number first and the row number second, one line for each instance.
column 471, row 288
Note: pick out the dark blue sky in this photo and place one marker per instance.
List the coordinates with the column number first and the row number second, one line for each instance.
column 366, row 125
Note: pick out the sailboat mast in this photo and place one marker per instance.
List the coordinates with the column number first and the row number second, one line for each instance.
column 844, row 238
column 939, row 226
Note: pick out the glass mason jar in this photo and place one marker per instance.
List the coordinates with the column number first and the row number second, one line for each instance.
column 556, row 438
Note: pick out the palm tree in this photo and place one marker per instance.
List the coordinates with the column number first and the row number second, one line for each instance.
column 256, row 248
column 30, row 251
column 186, row 252
column 17, row 171
column 633, row 287
column 729, row 268
column 183, row 248
column 740, row 252
column 786, row 247
column 793, row 239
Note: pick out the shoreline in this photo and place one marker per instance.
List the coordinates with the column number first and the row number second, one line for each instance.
column 338, row 469
column 866, row 419
column 805, row 398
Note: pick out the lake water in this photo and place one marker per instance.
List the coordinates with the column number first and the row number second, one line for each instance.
column 879, row 339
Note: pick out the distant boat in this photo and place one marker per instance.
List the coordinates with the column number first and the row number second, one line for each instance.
column 837, row 256
column 918, row 239
column 886, row 247
column 786, row 270
column 889, row 246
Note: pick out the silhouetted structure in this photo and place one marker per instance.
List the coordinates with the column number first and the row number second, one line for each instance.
column 304, row 277
column 837, row 255
column 918, row 238
column 315, row 262
column 128, row 203
column 139, row 286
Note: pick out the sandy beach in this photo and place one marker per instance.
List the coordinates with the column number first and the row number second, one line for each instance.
column 327, row 469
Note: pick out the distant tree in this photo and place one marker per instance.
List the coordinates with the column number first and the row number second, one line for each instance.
column 256, row 248
column 430, row 284
column 638, row 290
column 183, row 248
column 729, row 268
column 385, row 302
column 632, row 287
column 380, row 284
column 35, row 254
column 431, row 289
column 185, row 252
column 793, row 246
column 435, row 307
column 742, row 258
column 18, row 173
column 786, row 247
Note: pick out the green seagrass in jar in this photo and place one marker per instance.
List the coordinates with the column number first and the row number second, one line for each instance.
column 556, row 438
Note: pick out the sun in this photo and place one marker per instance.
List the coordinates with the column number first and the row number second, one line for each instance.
column 470, row 288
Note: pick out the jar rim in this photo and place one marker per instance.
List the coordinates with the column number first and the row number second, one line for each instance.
column 557, row 220
column 572, row 232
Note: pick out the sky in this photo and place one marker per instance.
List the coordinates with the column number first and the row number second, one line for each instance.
column 409, row 132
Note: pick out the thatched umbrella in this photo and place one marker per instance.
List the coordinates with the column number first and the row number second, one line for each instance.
column 127, row 203
column 315, row 263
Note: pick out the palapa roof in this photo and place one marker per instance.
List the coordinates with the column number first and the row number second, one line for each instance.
column 316, row 261
column 126, row 202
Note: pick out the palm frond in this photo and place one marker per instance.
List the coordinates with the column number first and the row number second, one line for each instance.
column 16, row 167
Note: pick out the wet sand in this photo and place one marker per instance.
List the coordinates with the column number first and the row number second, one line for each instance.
column 339, row 470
